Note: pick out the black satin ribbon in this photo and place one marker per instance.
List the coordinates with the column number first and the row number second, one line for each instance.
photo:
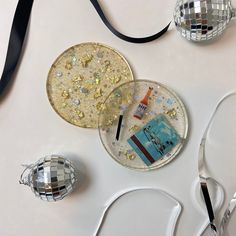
column 17, row 36
column 19, row 29
column 122, row 36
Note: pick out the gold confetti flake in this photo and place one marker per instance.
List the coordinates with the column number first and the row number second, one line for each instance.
column 64, row 105
column 80, row 113
column 100, row 106
column 115, row 79
column 68, row 66
column 130, row 155
column 65, row 94
column 171, row 113
column 109, row 122
column 82, row 74
column 77, row 78
column 134, row 128
column 97, row 81
column 86, row 59
column 98, row 93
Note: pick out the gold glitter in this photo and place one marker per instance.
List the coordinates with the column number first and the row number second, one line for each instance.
column 115, row 79
column 65, row 94
column 86, row 59
column 64, row 104
column 134, row 128
column 98, row 93
column 100, row 106
column 68, row 66
column 130, row 155
column 107, row 63
column 77, row 78
column 80, row 113
column 97, row 78
column 109, row 122
column 171, row 113
column 97, row 81
column 88, row 81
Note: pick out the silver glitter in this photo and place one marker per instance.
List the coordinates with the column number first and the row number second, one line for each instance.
column 74, row 59
column 59, row 74
column 51, row 178
column 76, row 102
column 201, row 20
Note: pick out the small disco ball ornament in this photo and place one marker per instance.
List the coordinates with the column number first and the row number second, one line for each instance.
column 202, row 20
column 51, row 178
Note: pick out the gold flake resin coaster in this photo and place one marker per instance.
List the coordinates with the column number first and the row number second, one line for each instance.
column 143, row 125
column 80, row 79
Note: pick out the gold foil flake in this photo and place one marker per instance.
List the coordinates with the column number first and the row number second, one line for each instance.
column 85, row 70
column 64, row 105
column 134, row 128
column 77, row 78
column 109, row 122
column 171, row 113
column 130, row 155
column 97, row 78
column 86, row 59
column 100, row 106
column 97, row 81
column 98, row 93
column 65, row 94
column 68, row 65
column 107, row 64
column 115, row 79
column 79, row 113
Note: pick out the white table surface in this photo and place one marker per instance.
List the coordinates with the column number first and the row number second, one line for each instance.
column 30, row 129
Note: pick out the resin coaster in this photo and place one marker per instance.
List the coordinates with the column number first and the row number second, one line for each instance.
column 81, row 78
column 143, row 125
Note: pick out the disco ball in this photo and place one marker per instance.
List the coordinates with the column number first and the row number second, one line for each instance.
column 202, row 20
column 51, row 178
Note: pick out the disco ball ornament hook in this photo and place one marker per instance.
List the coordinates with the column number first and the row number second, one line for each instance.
column 202, row 20
column 51, row 178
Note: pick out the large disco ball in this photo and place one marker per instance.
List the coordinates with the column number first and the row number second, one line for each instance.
column 201, row 20
column 51, row 178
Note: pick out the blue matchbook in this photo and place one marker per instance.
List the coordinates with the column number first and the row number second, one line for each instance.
column 154, row 140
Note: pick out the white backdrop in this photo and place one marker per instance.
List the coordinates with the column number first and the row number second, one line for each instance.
column 30, row 129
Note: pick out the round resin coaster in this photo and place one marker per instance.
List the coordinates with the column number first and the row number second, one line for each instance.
column 143, row 125
column 81, row 78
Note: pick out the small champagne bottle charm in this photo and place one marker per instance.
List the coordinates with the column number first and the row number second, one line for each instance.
column 142, row 107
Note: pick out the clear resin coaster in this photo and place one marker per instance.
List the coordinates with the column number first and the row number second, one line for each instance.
column 141, row 211
column 143, row 125
column 80, row 79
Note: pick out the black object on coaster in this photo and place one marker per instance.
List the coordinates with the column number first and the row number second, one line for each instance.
column 17, row 36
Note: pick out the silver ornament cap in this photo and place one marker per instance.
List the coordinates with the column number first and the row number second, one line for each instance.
column 202, row 20
column 51, row 178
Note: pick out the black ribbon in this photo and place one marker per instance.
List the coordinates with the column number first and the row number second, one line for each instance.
column 17, row 36
column 122, row 36
column 19, row 29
